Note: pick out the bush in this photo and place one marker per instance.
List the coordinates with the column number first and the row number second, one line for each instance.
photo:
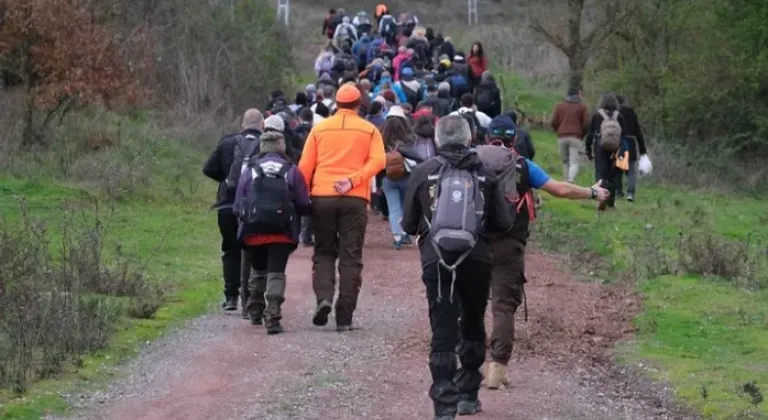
column 59, row 299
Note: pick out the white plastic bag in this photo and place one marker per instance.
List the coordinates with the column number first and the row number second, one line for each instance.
column 644, row 166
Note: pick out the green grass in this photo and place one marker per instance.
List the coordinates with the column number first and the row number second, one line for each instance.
column 701, row 333
column 178, row 243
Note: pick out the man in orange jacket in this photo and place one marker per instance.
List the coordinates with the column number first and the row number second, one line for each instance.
column 340, row 157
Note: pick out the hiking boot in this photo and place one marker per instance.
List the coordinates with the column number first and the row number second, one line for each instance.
column 397, row 244
column 344, row 328
column 230, row 304
column 407, row 240
column 274, row 327
column 256, row 320
column 496, row 376
column 630, row 197
column 469, row 407
column 324, row 309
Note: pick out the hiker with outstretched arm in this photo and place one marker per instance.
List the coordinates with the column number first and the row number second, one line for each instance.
column 229, row 154
column 341, row 156
column 517, row 178
column 453, row 204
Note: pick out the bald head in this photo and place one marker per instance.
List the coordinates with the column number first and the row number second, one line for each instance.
column 253, row 120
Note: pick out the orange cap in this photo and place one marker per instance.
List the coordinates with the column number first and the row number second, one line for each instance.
column 347, row 94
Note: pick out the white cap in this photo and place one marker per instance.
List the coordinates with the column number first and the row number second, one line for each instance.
column 396, row 111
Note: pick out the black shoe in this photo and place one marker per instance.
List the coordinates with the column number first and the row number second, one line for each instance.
column 256, row 320
column 469, row 407
column 344, row 328
column 274, row 328
column 230, row 304
column 321, row 314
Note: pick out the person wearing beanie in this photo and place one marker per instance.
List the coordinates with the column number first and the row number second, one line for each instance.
column 225, row 164
column 311, row 91
column 274, row 123
column 341, row 156
column 268, row 250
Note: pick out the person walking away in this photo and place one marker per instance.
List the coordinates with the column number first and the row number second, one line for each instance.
column 271, row 198
column 325, row 61
column 424, row 135
column 376, row 114
column 604, row 145
column 388, row 29
column 398, row 140
column 502, row 131
column 402, row 55
column 306, row 120
column 377, row 118
column 517, row 178
column 345, row 33
column 468, row 107
column 447, row 48
column 458, row 78
column 636, row 144
column 487, row 95
column 453, row 205
column 478, row 64
column 570, row 121
column 219, row 167
column 362, row 24
column 440, row 106
column 378, row 14
column 328, row 28
column 408, row 89
column 340, row 157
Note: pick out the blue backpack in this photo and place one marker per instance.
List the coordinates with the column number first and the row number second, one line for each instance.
column 459, row 84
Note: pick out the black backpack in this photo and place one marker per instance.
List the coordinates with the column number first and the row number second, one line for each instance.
column 245, row 146
column 413, row 96
column 269, row 208
column 484, row 98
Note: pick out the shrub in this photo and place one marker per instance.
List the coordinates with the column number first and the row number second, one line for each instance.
column 60, row 299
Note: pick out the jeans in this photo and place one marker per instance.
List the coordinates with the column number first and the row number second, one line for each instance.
column 395, row 193
column 450, row 384
column 631, row 179
column 230, row 252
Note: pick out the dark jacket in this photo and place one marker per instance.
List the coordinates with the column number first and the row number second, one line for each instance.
column 419, row 200
column 302, row 131
column 605, row 169
column 440, row 106
column 298, row 191
column 218, row 165
column 446, row 48
column 633, row 133
column 493, row 109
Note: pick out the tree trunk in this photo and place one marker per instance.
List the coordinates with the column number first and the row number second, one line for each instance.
column 576, row 64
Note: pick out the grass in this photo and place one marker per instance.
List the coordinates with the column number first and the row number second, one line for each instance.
column 706, row 336
column 175, row 237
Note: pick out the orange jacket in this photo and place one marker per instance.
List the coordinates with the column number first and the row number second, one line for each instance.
column 342, row 146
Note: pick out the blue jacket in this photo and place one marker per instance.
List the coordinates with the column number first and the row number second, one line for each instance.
column 360, row 49
column 383, row 80
column 373, row 49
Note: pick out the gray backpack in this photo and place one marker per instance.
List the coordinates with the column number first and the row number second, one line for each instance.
column 457, row 216
column 505, row 164
column 610, row 131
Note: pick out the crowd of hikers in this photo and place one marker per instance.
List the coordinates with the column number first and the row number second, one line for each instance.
column 403, row 122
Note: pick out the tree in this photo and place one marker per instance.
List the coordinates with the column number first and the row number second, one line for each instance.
column 62, row 58
column 576, row 39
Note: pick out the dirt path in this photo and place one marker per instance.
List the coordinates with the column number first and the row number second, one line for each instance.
column 221, row 367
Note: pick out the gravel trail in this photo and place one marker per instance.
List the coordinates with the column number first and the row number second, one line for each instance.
column 220, row 367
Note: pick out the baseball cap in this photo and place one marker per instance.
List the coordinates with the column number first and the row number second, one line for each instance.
column 502, row 127
column 347, row 94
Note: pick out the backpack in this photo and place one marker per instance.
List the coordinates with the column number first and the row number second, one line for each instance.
column 387, row 27
column 459, row 84
column 270, row 208
column 457, row 215
column 326, row 65
column 413, row 96
column 505, row 164
column 610, row 131
column 244, row 148
column 395, row 165
column 374, row 74
column 484, row 99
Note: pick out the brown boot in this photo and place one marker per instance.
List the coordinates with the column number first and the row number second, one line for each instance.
column 496, row 376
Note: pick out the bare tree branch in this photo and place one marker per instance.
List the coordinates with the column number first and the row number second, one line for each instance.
column 553, row 38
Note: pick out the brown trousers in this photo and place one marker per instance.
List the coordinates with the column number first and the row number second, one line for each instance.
column 339, row 224
column 507, row 282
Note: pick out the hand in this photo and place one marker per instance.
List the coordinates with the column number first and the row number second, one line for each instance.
column 342, row 186
column 602, row 193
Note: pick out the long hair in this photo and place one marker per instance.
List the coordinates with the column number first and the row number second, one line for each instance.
column 396, row 129
column 608, row 102
column 480, row 50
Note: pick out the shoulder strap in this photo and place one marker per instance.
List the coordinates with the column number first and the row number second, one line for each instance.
column 616, row 115
column 603, row 114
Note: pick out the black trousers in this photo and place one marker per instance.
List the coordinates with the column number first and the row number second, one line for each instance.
column 471, row 289
column 230, row 252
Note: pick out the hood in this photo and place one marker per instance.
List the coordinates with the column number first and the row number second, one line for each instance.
column 460, row 157
column 573, row 99
column 424, row 129
column 494, row 158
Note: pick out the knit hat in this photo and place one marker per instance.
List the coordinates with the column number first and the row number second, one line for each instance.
column 274, row 123
column 348, row 94
column 396, row 111
column 407, row 72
